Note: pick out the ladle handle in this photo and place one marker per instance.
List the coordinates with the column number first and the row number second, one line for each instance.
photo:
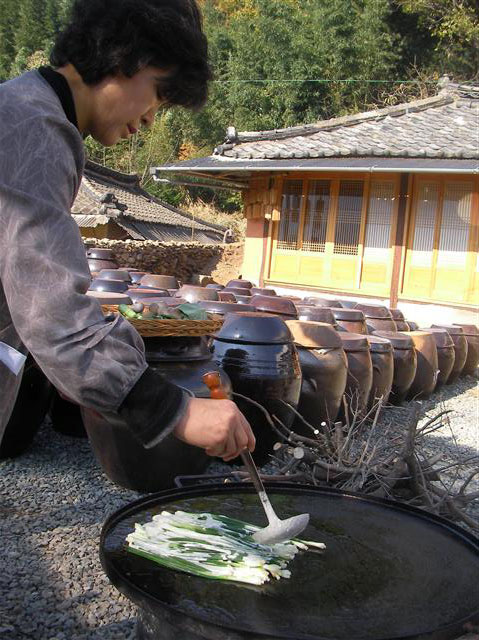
column 253, row 471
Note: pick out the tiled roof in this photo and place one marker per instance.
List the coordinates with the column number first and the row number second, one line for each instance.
column 119, row 197
column 444, row 126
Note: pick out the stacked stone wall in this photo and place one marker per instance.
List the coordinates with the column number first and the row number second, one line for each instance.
column 186, row 261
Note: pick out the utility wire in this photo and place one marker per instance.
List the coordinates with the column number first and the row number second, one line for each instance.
column 324, row 80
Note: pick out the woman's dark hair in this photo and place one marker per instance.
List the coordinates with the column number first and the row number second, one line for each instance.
column 107, row 37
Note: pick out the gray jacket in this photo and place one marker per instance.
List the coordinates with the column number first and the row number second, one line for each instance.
column 44, row 272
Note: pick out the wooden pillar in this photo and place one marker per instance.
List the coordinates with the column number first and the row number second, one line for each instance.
column 398, row 240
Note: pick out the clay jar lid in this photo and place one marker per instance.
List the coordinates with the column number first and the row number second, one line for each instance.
column 379, row 345
column 322, row 302
column 354, row 341
column 314, row 335
column 100, row 254
column 469, row 329
column 216, row 306
column 160, row 281
column 113, row 286
column 349, row 304
column 374, row 311
column 143, row 294
column 397, row 314
column 349, row 315
column 115, row 274
column 136, row 276
column 238, row 291
column 226, row 296
column 398, row 340
column 239, row 284
column 105, row 297
column 315, row 314
column 262, row 291
column 275, row 304
column 216, row 287
column 413, row 326
column 192, row 293
column 441, row 336
column 452, row 330
column 254, row 328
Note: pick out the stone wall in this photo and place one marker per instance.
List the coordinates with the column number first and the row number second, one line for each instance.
column 186, row 261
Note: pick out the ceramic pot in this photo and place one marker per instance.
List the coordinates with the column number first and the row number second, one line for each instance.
column 383, row 370
column 96, row 265
column 257, row 352
column 136, row 276
column 110, row 298
column 471, row 332
column 324, row 369
column 350, row 320
column 125, row 461
column 115, row 274
column 322, row 302
column 29, row 411
column 222, row 308
column 427, row 369
column 159, row 281
column 226, row 296
column 401, row 325
column 137, row 294
column 262, row 291
column 275, row 304
column 316, row 314
column 360, row 375
column 113, row 286
column 461, row 349
column 349, row 304
column 397, row 314
column 378, row 318
column 238, row 291
column 413, row 326
column 445, row 353
column 100, row 254
column 239, row 284
column 193, row 294
column 405, row 364
column 216, row 287
column 66, row 417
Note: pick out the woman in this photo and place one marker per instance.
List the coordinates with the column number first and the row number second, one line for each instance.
column 113, row 67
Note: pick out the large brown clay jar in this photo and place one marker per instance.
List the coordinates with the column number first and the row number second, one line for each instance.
column 322, row 302
column 239, row 284
column 159, row 281
column 405, row 364
column 445, row 353
column 192, row 293
column 425, row 379
column 378, row 318
column 278, row 305
column 262, row 291
column 461, row 349
column 350, row 320
column 471, row 333
column 316, row 314
column 383, row 370
column 324, row 368
column 360, row 375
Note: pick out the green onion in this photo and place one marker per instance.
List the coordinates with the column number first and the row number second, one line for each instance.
column 213, row 546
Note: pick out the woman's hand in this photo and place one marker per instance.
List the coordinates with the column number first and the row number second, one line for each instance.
column 217, row 426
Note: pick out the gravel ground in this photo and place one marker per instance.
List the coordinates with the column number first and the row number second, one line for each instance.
column 54, row 499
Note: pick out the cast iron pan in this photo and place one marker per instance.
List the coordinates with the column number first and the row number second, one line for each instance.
column 389, row 570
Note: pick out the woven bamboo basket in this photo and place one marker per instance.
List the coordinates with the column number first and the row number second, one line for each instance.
column 156, row 327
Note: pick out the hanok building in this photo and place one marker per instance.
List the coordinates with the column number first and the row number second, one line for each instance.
column 113, row 205
column 380, row 205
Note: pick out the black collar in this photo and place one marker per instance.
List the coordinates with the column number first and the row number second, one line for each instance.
column 61, row 87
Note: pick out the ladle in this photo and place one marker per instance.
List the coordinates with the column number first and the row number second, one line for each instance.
column 277, row 530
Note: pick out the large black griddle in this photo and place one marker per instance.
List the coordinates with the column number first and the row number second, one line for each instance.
column 389, row 570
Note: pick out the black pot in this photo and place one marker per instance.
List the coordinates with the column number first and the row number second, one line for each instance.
column 29, row 411
column 183, row 361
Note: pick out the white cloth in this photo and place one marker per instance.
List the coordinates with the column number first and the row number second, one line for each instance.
column 12, row 358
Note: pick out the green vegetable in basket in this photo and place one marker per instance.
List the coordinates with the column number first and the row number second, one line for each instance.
column 192, row 311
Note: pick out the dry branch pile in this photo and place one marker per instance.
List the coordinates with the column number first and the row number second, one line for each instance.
column 364, row 457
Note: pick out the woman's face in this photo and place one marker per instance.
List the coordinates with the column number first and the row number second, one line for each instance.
column 121, row 105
